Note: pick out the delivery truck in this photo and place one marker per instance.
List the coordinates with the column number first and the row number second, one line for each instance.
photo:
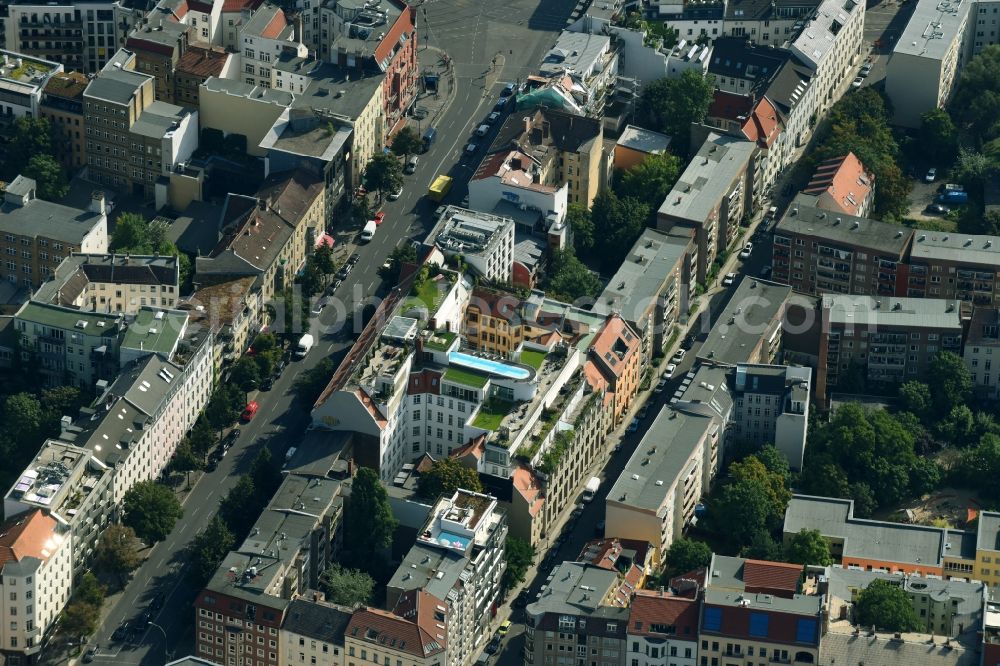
column 590, row 490
column 439, row 188
column 305, row 344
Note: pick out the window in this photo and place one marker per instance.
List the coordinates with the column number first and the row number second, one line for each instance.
column 758, row 624
column 713, row 619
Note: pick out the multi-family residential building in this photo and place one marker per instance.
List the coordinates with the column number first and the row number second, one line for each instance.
column 240, row 612
column 268, row 235
column 23, row 80
column 264, row 39
column 753, row 610
column 656, row 494
column 926, row 59
column 890, row 340
column 830, row 44
column 750, row 328
column 414, row 634
column 582, row 67
column 765, row 23
column 954, row 265
column 484, row 241
column 36, row 574
column 876, row 545
column 81, row 36
column 841, row 185
column 38, row 234
column 72, row 346
column 458, row 558
column 819, row 251
column 196, row 65
column 649, row 290
column 662, row 630
column 614, row 364
column 982, row 339
column 983, row 28
column 312, row 632
column 635, row 144
column 113, row 283
column 62, row 104
column 234, row 107
column 567, row 148
column 382, row 37
column 752, row 118
column 579, row 614
column 160, row 39
column 72, row 484
column 515, row 176
column 712, row 197
column 991, row 629
column 771, row 406
column 232, row 309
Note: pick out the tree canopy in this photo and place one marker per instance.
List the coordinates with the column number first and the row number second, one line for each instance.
column 651, row 180
column 952, row 383
column 570, row 279
column 445, row 477
column 938, row 135
column 151, row 509
column 618, row 223
column 686, row 555
column 406, row 142
column 670, row 105
column 208, row 548
column 519, row 555
column 236, row 508
column 977, row 97
column 348, row 587
column 384, row 173
column 134, row 235
column 310, row 383
column 808, row 547
column 368, row 519
column 50, row 179
column 582, row 226
column 886, row 607
column 118, row 550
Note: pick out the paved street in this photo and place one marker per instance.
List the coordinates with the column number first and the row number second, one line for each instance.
column 472, row 34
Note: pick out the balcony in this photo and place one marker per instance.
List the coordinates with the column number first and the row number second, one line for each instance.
column 918, row 270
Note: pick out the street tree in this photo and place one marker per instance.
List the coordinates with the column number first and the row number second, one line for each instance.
column 915, row 397
column 151, row 509
column 185, row 460
column 952, row 384
column 323, row 257
column 238, row 507
column 519, row 555
column 651, row 180
column 90, row 590
column 208, row 548
column 885, row 606
column 406, row 142
column 49, row 177
column 808, row 547
column 117, row 550
column 202, row 437
column 245, row 373
column 224, row 406
column 310, row 383
column 570, row 279
column 938, row 135
column 265, row 474
column 368, row 519
column 686, row 555
column 384, row 174
column 445, row 477
column 79, row 618
column 347, row 587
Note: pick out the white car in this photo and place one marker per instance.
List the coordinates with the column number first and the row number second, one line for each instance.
column 729, row 279
column 669, row 372
column 679, row 356
column 931, row 175
column 856, row 83
column 395, row 195
column 493, row 117
column 745, row 252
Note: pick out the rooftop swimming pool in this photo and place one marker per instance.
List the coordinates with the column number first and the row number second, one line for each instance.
column 449, row 540
column 497, row 368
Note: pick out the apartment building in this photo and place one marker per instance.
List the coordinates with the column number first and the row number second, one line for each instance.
column 38, row 234
column 614, row 365
column 35, row 580
column 771, row 406
column 635, row 144
column 750, row 328
column 662, row 630
column 830, row 44
column 927, row 58
column 264, row 39
column 756, row 119
column 72, row 485
column 984, row 32
column 72, row 346
column 712, row 197
column 81, row 36
column 233, row 310
column 112, row 283
column 566, row 147
column 954, row 266
column 459, row 559
column 234, row 107
column 412, row 635
column 62, row 104
column 818, row 251
column 577, row 613
column 982, row 338
column 160, row 39
column 764, row 23
column 656, row 494
column 589, row 61
column 22, row 80
column 268, row 236
column 891, row 340
column 195, row 66
column 485, row 242
column 843, row 186
column 312, row 632
column 753, row 609
column 241, row 611
column 649, row 290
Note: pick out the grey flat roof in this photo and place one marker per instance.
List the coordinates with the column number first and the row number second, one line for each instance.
column 968, row 595
column 311, row 138
column 988, row 532
column 420, row 568
column 724, row 586
column 845, row 648
column 116, row 85
column 804, row 219
column 932, row 29
column 643, row 140
column 50, row 220
column 321, row 621
column 642, row 277
column 708, row 177
column 578, row 52
column 847, row 309
column 819, row 35
column 957, row 248
column 574, row 588
column 157, row 119
column 660, row 457
column 747, row 318
column 336, row 89
column 241, row 89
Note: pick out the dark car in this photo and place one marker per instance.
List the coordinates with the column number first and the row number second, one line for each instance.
column 231, row 438
column 501, row 105
column 88, row 656
column 143, row 621
column 121, row 632
column 156, row 603
column 282, row 364
column 355, row 258
column 344, row 271
column 493, row 646
column 937, row 209
column 267, row 384
column 212, row 464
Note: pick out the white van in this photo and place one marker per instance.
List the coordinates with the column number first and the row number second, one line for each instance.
column 369, row 231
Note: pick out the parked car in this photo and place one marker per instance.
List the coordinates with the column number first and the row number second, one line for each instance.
column 344, row 271
column 669, row 372
column 504, row 627
column 937, row 209
column 471, row 148
column 679, row 355
column 660, row 386
column 508, row 90
column 379, row 218
column 89, row 655
column 931, row 175
column 267, row 384
column 318, row 306
column 354, row 259
column 120, row 633
column 729, row 280
column 501, row 104
column 643, row 412
column 493, row 117
column 493, row 646
column 633, row 426
column 745, row 252
column 765, row 271
column 856, row 83
column 231, row 438
column 250, row 411
column 395, row 195
column 866, row 69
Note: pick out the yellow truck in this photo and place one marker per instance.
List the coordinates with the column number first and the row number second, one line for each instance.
column 439, row 188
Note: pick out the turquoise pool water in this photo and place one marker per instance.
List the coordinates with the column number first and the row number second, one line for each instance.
column 453, row 540
column 486, row 365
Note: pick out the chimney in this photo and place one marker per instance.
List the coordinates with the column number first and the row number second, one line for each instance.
column 299, row 31
column 97, row 202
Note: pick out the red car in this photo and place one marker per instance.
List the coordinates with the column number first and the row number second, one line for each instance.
column 249, row 412
column 379, row 217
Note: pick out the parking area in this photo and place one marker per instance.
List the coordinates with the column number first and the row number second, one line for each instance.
column 924, row 206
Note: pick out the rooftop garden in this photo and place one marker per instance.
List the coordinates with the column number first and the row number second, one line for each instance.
column 532, row 358
column 440, row 341
column 560, row 446
column 427, row 291
column 460, row 376
column 491, row 414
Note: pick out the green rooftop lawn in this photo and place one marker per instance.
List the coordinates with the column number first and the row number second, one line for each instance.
column 427, row 292
column 461, row 376
column 532, row 358
column 448, row 337
column 491, row 414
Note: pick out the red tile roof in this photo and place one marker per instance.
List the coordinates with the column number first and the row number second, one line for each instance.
column 412, row 628
column 777, row 578
column 275, row 26
column 202, row 62
column 614, row 344
column 27, row 535
column 656, row 614
column 236, row 6
column 843, row 182
column 765, row 123
column 730, row 106
column 528, row 487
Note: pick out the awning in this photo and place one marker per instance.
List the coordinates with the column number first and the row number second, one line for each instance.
column 325, row 239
